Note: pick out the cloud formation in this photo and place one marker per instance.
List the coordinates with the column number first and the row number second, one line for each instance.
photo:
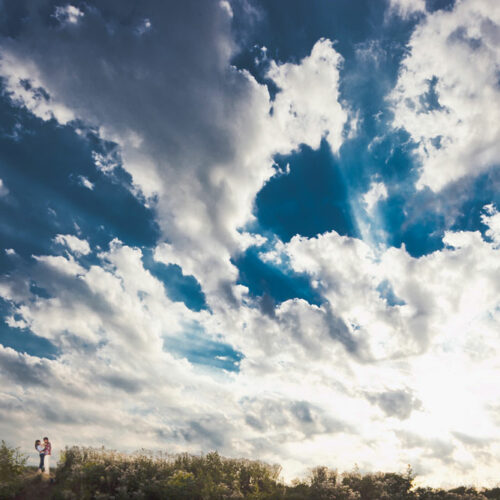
column 386, row 357
column 447, row 92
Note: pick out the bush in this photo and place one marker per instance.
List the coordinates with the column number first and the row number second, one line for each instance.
column 12, row 467
column 88, row 473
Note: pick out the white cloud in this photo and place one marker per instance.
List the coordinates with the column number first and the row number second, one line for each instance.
column 68, row 14
column 226, row 6
column 346, row 375
column 308, row 107
column 200, row 175
column 491, row 218
column 437, row 338
column 407, row 8
column 23, row 80
column 105, row 163
column 376, row 193
column 428, row 301
column 85, row 182
column 75, row 244
column 447, row 92
column 306, row 382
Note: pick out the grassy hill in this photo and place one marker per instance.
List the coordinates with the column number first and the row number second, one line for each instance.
column 87, row 473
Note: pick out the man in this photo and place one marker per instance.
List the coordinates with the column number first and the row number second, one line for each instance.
column 47, row 452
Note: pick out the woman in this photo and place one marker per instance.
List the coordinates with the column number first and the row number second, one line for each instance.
column 41, row 452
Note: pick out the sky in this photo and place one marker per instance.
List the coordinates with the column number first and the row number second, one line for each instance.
column 265, row 228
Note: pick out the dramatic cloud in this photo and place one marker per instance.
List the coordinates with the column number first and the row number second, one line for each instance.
column 307, row 106
column 146, row 300
column 447, row 92
column 200, row 157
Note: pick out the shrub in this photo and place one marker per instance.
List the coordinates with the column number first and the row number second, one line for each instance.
column 12, row 467
column 90, row 473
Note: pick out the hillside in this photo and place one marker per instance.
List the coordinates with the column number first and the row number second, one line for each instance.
column 87, row 473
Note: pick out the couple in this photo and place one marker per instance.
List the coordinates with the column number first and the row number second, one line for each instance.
column 45, row 451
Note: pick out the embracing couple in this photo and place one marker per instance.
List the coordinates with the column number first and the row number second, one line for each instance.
column 45, row 451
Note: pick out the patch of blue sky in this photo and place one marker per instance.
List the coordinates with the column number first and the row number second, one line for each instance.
column 323, row 192
column 272, row 283
column 373, row 47
column 433, row 5
column 39, row 291
column 311, row 199
column 421, row 235
column 42, row 165
column 386, row 292
column 430, row 100
column 201, row 350
column 277, row 24
column 178, row 287
column 476, row 193
column 23, row 340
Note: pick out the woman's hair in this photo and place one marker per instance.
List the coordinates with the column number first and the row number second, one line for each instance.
column 37, row 442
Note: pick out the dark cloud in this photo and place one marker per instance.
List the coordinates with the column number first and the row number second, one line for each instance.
column 439, row 449
column 118, row 381
column 290, row 417
column 148, row 83
column 17, row 368
column 473, row 441
column 206, row 433
column 396, row 403
column 338, row 330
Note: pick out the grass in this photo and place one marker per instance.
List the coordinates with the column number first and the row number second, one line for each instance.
column 100, row 474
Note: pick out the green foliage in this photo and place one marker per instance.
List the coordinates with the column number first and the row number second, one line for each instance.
column 12, row 462
column 100, row 474
column 86, row 473
column 12, row 467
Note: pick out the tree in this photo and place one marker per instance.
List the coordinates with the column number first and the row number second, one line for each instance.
column 12, row 462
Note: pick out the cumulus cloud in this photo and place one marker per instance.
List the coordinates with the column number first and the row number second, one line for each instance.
column 75, row 244
column 306, row 381
column 433, row 314
column 198, row 157
column 307, row 107
column 447, row 92
column 311, row 378
column 428, row 302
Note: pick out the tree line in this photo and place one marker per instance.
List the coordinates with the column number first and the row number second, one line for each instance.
column 89, row 473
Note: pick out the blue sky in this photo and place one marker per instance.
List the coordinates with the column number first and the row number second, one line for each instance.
column 222, row 211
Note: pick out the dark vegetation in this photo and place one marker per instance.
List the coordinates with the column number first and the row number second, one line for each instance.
column 86, row 473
